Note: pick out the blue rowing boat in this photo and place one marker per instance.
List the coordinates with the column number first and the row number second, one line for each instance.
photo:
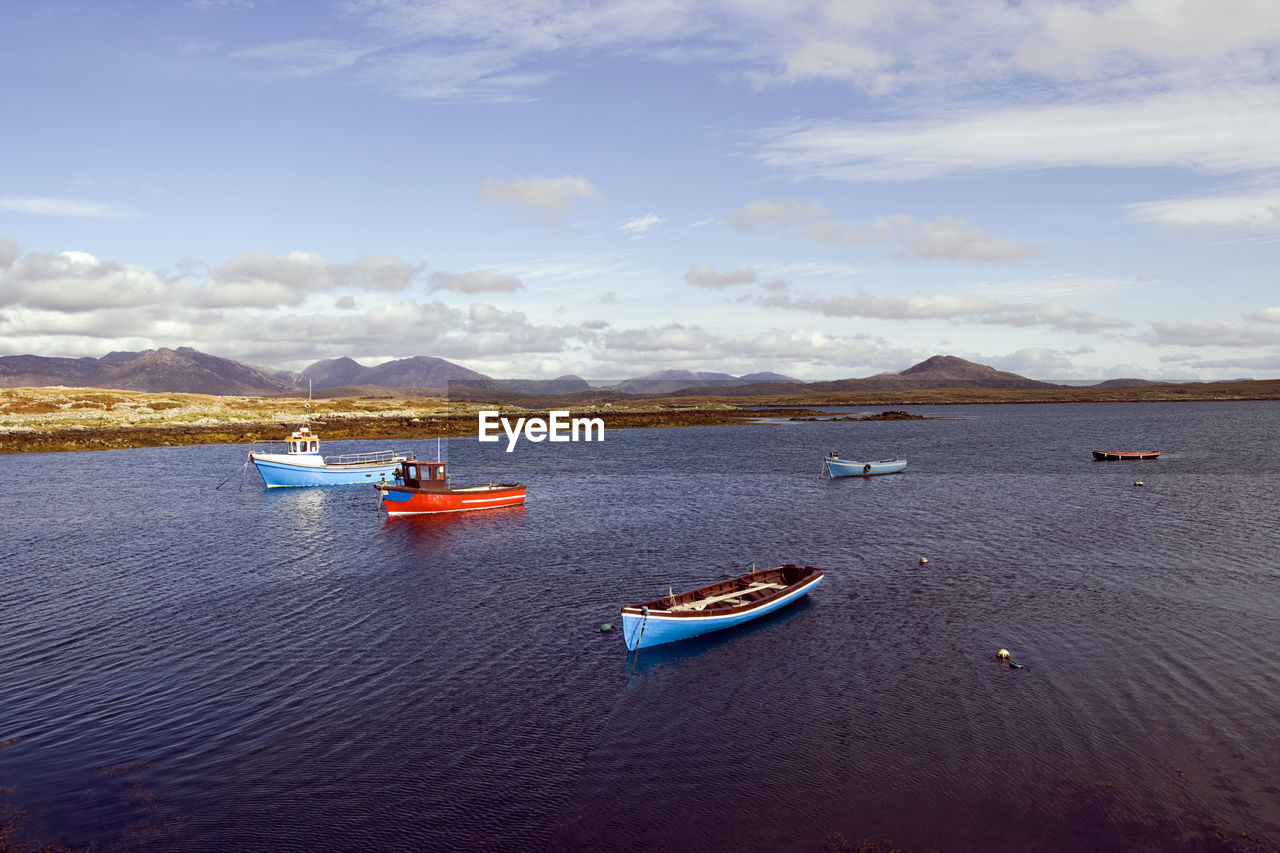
column 834, row 466
column 302, row 465
column 717, row 606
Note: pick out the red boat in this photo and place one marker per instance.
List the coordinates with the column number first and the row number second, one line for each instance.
column 424, row 488
column 1125, row 454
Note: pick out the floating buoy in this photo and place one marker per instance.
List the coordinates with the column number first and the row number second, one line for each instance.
column 1003, row 654
column 1138, row 483
column 606, row 627
column 924, row 560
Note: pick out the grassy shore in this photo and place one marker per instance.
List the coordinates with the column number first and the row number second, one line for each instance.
column 60, row 419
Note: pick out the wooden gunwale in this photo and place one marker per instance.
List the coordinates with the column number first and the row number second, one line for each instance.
column 1124, row 454
column 735, row 595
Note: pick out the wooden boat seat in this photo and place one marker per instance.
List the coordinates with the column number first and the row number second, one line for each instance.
column 702, row 603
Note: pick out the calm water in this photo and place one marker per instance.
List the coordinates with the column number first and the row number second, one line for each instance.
column 191, row 668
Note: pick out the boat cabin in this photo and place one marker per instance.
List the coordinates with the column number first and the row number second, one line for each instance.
column 422, row 475
column 303, row 441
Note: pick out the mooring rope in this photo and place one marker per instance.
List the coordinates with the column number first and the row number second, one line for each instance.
column 639, row 637
column 233, row 473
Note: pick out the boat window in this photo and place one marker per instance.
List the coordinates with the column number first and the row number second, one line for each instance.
column 315, row 445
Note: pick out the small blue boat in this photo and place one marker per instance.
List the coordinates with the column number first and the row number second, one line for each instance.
column 834, row 466
column 302, row 465
column 717, row 606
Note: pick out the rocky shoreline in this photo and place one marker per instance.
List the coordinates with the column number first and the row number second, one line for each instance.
column 58, row 419
column 62, row 438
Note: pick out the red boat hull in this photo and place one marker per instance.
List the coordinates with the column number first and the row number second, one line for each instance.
column 402, row 500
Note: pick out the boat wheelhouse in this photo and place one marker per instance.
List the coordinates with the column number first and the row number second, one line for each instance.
column 423, row 488
column 302, row 465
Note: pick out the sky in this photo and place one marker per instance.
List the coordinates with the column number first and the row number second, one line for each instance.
column 532, row 188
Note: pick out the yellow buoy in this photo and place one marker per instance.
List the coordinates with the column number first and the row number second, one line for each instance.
column 1003, row 654
column 924, row 560
column 1138, row 483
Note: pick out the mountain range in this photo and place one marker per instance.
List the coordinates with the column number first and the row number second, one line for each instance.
column 190, row 371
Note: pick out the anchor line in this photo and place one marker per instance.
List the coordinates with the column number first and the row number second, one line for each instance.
column 232, row 474
column 639, row 637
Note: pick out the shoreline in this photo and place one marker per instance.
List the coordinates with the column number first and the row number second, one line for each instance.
column 71, row 438
column 61, row 419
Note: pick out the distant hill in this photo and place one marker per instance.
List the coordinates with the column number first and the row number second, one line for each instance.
column 184, row 369
column 567, row 384
column 940, row 371
column 669, row 381
column 1125, row 383
column 419, row 372
column 187, row 370
column 948, row 371
column 749, row 378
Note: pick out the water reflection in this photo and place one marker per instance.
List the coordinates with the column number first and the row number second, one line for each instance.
column 732, row 640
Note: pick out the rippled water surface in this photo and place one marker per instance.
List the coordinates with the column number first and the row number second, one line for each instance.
column 190, row 668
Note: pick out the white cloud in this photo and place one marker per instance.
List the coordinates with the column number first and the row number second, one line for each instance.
column 1034, row 362
column 684, row 339
column 1249, row 212
column 1267, row 315
column 495, row 51
column 449, row 73
column 9, row 252
column 476, row 281
column 949, row 237
column 1211, row 333
column 211, row 5
column 1058, row 286
column 1269, row 363
column 44, row 206
column 77, row 282
column 549, row 198
column 810, row 270
column 1225, row 131
column 588, row 267
column 642, row 224
column 890, row 307
column 266, row 280
column 1052, row 313
column 378, row 272
column 805, row 352
column 1078, row 40
column 764, row 215
column 310, row 57
column 705, row 275
column 823, row 58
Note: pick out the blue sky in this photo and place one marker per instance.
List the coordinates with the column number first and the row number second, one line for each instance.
column 1067, row 190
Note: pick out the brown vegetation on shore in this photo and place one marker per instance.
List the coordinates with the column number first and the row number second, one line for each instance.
column 59, row 419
